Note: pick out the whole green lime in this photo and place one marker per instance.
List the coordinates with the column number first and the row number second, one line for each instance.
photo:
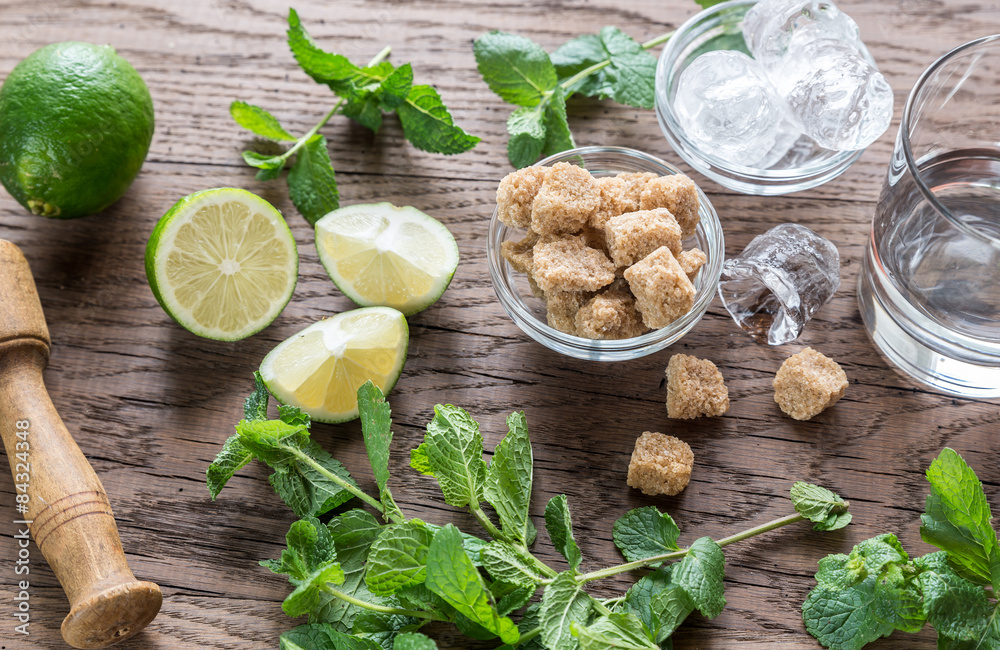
column 76, row 121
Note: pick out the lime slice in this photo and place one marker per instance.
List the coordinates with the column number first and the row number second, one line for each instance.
column 378, row 254
column 222, row 263
column 321, row 368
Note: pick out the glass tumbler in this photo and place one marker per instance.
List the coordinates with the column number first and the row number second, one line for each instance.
column 929, row 290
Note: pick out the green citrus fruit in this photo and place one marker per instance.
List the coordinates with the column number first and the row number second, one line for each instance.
column 222, row 263
column 321, row 368
column 76, row 121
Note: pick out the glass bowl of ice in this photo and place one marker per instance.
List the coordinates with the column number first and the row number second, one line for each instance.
column 770, row 97
column 625, row 308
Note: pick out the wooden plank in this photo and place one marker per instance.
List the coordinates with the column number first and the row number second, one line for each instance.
column 150, row 404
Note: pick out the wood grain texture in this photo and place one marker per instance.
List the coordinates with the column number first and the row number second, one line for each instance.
column 150, row 404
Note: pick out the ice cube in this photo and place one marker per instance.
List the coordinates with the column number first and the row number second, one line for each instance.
column 779, row 281
column 726, row 105
column 770, row 26
column 834, row 94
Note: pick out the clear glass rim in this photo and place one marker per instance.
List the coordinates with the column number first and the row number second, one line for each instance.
column 615, row 349
column 904, row 135
column 670, row 54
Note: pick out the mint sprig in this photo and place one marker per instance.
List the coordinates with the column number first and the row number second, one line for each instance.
column 878, row 589
column 368, row 585
column 366, row 94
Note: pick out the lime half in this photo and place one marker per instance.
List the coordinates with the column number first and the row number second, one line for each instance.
column 222, row 263
column 321, row 368
column 378, row 254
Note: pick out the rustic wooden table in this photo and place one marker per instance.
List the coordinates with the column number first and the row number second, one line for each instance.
column 150, row 404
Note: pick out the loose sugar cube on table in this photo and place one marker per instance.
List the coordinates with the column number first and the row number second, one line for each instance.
column 695, row 388
column 568, row 264
column 661, row 288
column 569, row 195
column 516, row 194
column 660, row 464
column 634, row 235
column 609, row 315
column 676, row 193
column 808, row 383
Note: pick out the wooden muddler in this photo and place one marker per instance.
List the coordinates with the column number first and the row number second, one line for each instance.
column 71, row 519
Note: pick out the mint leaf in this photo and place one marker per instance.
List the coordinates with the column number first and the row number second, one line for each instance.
column 394, row 90
column 629, row 76
column 427, row 123
column 256, row 119
column 560, row 526
column 473, row 545
column 353, row 534
column 705, row 4
column 312, row 183
column 454, row 450
column 645, row 532
column 233, row 457
column 419, row 460
column 563, row 604
column 957, row 519
column 514, row 67
column 957, row 608
column 701, row 574
column 670, row 607
column 266, row 163
column 526, row 128
column 507, row 563
column 529, row 622
column 310, row 562
column 620, row 630
column 844, row 618
column 639, row 597
column 382, row 629
column 557, row 135
column 365, row 111
column 305, row 476
column 511, row 597
column 293, row 415
column 333, row 70
column 452, row 576
column 398, row 558
column 255, row 405
column 508, row 481
column 820, row 505
column 322, row 637
column 413, row 641
column 376, row 426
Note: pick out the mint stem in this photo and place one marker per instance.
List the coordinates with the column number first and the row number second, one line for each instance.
column 600, row 65
column 485, row 522
column 382, row 609
column 529, row 635
column 676, row 555
column 356, row 491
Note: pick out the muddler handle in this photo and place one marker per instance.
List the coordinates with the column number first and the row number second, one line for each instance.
column 71, row 519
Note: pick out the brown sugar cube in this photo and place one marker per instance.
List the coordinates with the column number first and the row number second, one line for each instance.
column 536, row 290
column 568, row 264
column 662, row 290
column 519, row 253
column 691, row 261
column 695, row 388
column 617, row 198
column 565, row 201
column 634, row 182
column 807, row 383
column 677, row 193
column 634, row 235
column 660, row 464
column 561, row 308
column 609, row 315
column 516, row 194
column 595, row 238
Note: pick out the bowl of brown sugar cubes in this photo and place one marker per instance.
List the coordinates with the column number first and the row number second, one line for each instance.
column 604, row 253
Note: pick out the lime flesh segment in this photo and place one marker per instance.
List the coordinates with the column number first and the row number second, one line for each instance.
column 222, row 263
column 321, row 368
column 378, row 254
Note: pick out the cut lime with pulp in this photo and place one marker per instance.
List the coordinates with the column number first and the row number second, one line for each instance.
column 222, row 263
column 378, row 254
column 321, row 368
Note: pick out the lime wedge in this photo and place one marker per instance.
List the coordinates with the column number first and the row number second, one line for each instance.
column 222, row 263
column 321, row 368
column 378, row 254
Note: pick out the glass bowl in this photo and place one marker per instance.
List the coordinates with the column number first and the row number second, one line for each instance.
column 720, row 28
column 529, row 312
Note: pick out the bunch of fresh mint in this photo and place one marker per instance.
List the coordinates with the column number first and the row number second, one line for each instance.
column 610, row 64
column 877, row 589
column 367, row 585
column 365, row 94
